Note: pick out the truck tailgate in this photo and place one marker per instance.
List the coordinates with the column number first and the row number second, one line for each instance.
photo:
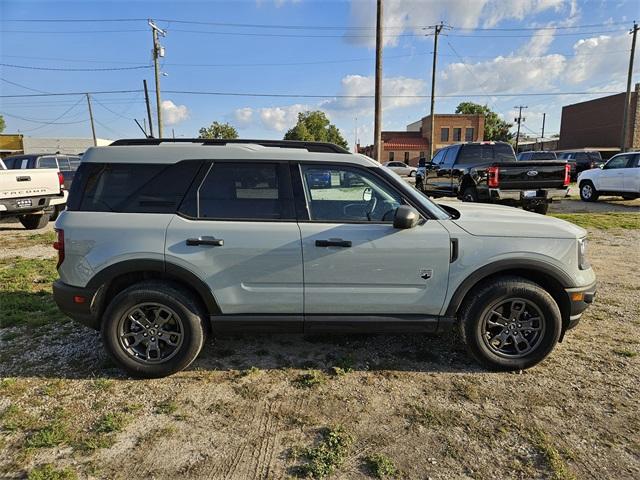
column 531, row 175
column 35, row 182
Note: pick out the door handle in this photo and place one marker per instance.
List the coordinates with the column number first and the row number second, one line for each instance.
column 334, row 242
column 210, row 241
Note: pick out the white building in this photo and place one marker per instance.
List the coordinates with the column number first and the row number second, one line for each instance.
column 60, row 145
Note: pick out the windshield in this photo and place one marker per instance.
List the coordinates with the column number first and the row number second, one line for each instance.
column 433, row 208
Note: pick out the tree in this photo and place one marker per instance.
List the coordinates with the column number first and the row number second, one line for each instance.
column 494, row 127
column 219, row 130
column 1, row 124
column 315, row 127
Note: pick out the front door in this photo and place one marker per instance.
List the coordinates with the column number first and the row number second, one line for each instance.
column 237, row 232
column 611, row 179
column 355, row 261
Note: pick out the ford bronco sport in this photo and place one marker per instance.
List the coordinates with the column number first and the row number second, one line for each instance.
column 165, row 242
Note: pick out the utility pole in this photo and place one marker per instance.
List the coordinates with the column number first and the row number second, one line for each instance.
column 146, row 99
column 158, row 52
column 544, row 116
column 377, row 122
column 627, row 98
column 355, row 142
column 519, row 120
column 93, row 127
column 437, row 29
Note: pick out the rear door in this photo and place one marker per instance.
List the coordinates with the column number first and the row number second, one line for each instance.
column 632, row 179
column 355, row 262
column 237, row 231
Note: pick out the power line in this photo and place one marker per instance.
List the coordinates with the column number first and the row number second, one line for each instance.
column 68, row 69
column 22, row 86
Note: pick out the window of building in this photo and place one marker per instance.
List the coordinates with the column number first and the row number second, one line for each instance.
column 468, row 135
column 457, row 134
column 391, row 156
column 344, row 194
column 406, row 157
column 444, row 134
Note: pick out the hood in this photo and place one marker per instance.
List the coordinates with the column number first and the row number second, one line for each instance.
column 501, row 221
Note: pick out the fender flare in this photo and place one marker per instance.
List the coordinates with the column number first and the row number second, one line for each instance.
column 535, row 266
column 168, row 270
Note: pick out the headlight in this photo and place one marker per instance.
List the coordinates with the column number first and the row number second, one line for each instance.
column 583, row 263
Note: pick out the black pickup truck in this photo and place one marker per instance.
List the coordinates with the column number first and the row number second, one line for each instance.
column 488, row 172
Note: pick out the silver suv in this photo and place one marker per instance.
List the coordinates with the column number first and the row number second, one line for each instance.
column 166, row 242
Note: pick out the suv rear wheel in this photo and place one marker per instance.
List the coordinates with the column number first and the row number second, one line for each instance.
column 510, row 323
column 153, row 329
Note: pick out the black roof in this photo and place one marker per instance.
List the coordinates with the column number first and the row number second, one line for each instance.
column 322, row 147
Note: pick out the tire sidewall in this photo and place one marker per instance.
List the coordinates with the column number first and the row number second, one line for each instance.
column 593, row 196
column 469, row 194
column 501, row 291
column 181, row 304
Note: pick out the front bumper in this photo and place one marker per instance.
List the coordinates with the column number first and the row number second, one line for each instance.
column 580, row 298
column 67, row 298
column 519, row 195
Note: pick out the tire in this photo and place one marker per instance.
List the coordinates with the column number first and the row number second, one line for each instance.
column 34, row 222
column 588, row 192
column 181, row 314
column 412, row 173
column 506, row 293
column 56, row 212
column 631, row 196
column 541, row 208
column 470, row 194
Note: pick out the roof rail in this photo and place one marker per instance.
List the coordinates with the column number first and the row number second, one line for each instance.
column 320, row 147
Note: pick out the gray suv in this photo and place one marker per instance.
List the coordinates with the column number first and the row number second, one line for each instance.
column 166, row 242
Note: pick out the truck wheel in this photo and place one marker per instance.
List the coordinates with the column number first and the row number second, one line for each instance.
column 588, row 192
column 412, row 173
column 56, row 212
column 541, row 208
column 470, row 194
column 153, row 329
column 510, row 323
column 34, row 222
column 630, row 196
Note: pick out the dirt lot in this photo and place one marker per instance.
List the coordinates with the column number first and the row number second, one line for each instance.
column 350, row 407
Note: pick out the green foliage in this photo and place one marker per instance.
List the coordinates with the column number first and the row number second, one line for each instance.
column 48, row 472
column 52, row 435
column 2, row 124
column 328, row 455
column 315, row 127
column 310, row 379
column 494, row 127
column 219, row 130
column 381, row 466
column 111, row 422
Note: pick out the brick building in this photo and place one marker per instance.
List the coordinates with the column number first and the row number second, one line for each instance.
column 597, row 123
column 410, row 145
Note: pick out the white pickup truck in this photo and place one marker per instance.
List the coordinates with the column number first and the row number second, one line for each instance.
column 30, row 195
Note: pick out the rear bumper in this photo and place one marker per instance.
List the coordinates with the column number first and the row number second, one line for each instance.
column 541, row 195
column 24, row 206
column 67, row 298
column 580, row 298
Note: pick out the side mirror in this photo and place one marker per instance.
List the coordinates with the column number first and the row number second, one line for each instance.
column 405, row 217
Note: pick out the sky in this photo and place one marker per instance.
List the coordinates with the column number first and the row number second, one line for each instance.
column 222, row 57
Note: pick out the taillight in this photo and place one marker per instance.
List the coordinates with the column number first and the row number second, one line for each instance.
column 567, row 175
column 61, row 179
column 493, row 177
column 59, row 246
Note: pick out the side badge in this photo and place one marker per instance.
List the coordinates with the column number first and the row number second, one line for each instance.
column 426, row 273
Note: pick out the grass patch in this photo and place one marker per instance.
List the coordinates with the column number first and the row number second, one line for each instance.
column 26, row 292
column 52, row 435
column 603, row 221
column 625, row 353
column 381, row 466
column 102, row 384
column 166, row 408
column 327, row 455
column 111, row 422
column 14, row 418
column 49, row 472
column 310, row 379
column 559, row 469
column 426, row 416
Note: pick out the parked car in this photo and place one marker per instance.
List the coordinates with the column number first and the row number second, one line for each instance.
column 580, row 160
column 160, row 247
column 401, row 168
column 619, row 176
column 30, row 195
column 536, row 155
column 488, row 172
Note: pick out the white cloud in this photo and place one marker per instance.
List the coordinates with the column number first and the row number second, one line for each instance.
column 413, row 15
column 599, row 58
column 172, row 113
column 281, row 118
column 539, row 43
column 243, row 116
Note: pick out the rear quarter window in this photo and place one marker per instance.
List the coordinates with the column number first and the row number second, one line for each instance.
column 131, row 188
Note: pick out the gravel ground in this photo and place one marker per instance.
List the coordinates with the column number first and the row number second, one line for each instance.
column 250, row 405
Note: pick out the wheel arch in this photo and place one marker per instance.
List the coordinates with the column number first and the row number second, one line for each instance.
column 115, row 278
column 547, row 276
column 465, row 181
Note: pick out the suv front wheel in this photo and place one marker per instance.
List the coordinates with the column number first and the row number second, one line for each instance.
column 510, row 323
column 153, row 329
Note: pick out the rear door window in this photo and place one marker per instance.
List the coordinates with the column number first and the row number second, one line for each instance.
column 242, row 191
column 470, row 154
column 47, row 162
column 502, row 152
